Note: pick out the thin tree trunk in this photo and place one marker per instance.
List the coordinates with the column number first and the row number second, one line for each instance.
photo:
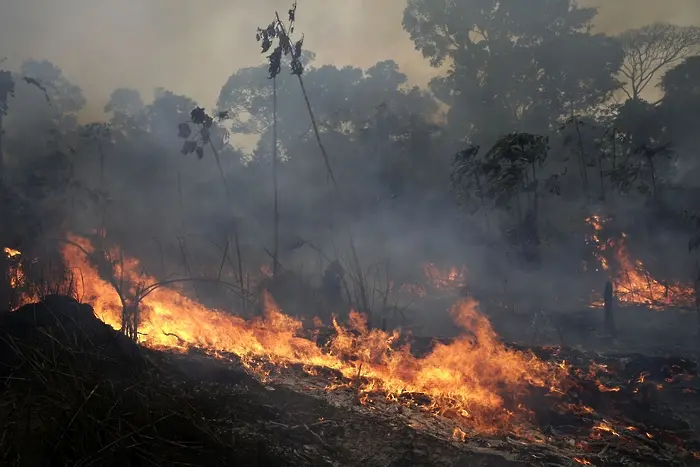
column 275, row 249
column 317, row 134
column 652, row 168
column 234, row 226
column 244, row 291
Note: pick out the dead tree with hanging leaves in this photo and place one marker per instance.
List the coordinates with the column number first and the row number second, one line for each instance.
column 278, row 34
column 267, row 36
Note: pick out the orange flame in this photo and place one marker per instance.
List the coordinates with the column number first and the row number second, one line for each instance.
column 11, row 252
column 17, row 278
column 472, row 378
column 634, row 285
column 15, row 271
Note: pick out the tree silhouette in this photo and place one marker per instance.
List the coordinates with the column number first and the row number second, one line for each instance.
column 509, row 178
column 511, row 65
column 650, row 49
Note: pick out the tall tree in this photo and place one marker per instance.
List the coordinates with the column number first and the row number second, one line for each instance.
column 679, row 114
column 512, row 65
column 64, row 98
column 380, row 130
column 651, row 49
column 127, row 110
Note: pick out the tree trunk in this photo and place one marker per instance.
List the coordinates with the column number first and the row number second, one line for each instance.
column 275, row 249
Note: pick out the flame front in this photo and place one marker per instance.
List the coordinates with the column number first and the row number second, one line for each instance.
column 475, row 378
column 634, row 285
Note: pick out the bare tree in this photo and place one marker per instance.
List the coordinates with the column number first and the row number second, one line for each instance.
column 652, row 48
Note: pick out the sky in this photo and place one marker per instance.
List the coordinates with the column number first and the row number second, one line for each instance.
column 192, row 47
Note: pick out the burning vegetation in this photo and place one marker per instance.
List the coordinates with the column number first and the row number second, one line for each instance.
column 548, row 401
column 242, row 340
column 633, row 283
column 468, row 378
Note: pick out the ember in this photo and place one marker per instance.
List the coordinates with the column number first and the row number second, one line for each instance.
column 450, row 279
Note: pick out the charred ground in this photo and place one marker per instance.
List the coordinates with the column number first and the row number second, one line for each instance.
column 80, row 393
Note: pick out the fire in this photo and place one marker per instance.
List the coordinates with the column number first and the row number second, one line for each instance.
column 15, row 272
column 435, row 279
column 11, row 252
column 17, row 278
column 475, row 379
column 634, row 285
column 459, row 435
column 450, row 279
column 603, row 427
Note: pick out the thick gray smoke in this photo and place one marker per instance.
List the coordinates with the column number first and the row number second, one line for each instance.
column 190, row 50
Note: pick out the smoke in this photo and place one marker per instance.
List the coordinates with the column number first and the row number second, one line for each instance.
column 616, row 16
column 191, row 48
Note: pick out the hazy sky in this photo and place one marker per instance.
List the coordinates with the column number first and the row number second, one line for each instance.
column 191, row 47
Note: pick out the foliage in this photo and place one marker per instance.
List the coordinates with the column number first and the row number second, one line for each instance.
column 512, row 66
column 277, row 30
column 508, row 169
column 7, row 90
column 651, row 48
column 195, row 142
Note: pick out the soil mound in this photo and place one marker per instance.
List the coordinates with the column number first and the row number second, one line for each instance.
column 77, row 392
column 69, row 332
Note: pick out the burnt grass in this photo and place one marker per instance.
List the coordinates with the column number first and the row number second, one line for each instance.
column 77, row 393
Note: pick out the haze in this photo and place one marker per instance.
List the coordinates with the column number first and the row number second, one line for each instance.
column 193, row 47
